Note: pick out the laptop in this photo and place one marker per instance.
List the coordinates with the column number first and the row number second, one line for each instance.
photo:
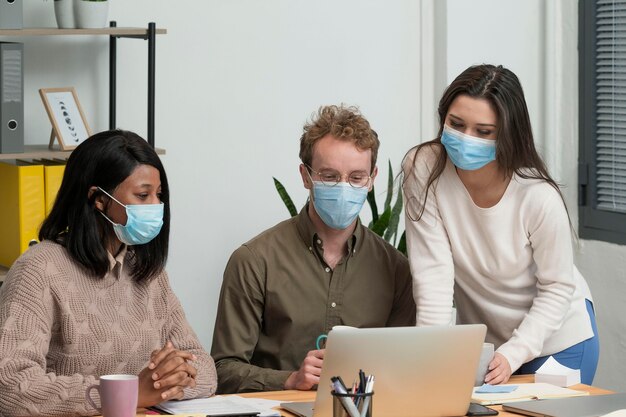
column 587, row 406
column 420, row 371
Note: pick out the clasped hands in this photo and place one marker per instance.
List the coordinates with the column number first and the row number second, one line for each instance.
column 165, row 377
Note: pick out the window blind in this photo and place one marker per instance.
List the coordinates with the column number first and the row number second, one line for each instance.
column 611, row 105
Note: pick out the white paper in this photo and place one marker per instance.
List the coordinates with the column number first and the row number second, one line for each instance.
column 220, row 404
column 525, row 392
column 552, row 372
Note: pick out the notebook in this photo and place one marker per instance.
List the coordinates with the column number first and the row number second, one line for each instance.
column 590, row 406
column 420, row 371
column 524, row 392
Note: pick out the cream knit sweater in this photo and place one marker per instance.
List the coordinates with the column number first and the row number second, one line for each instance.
column 60, row 329
column 509, row 266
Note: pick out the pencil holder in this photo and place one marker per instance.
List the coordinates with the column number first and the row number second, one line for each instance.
column 352, row 405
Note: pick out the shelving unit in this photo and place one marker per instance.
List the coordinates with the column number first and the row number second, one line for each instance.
column 43, row 152
column 114, row 33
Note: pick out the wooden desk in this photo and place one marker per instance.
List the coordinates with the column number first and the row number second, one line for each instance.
column 310, row 395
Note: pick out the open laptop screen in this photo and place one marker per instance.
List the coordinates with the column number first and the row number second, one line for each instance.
column 420, row 371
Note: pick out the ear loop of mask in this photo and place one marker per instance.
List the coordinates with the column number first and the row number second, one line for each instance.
column 114, row 199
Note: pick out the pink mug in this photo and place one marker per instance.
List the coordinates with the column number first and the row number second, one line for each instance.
column 118, row 395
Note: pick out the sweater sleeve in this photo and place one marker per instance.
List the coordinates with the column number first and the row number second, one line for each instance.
column 184, row 338
column 550, row 238
column 27, row 317
column 428, row 245
column 238, row 326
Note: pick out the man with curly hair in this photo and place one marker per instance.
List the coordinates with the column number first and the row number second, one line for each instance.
column 321, row 268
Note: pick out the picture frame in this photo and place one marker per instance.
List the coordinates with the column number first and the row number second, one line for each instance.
column 69, row 124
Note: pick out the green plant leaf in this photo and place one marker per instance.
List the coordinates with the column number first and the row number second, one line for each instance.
column 402, row 243
column 284, row 195
column 394, row 220
column 381, row 225
column 371, row 200
column 389, row 188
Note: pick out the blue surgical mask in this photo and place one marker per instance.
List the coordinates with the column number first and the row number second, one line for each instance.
column 467, row 152
column 143, row 222
column 338, row 205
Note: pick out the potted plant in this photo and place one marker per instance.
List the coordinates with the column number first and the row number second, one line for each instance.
column 64, row 13
column 91, row 14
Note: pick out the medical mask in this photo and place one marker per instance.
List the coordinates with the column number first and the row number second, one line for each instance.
column 338, row 205
column 467, row 152
column 143, row 222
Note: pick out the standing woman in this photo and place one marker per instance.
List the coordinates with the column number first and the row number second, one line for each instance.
column 93, row 297
column 487, row 225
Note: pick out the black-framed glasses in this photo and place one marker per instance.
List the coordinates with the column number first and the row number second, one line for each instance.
column 330, row 177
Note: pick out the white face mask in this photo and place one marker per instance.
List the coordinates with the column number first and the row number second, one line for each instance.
column 143, row 222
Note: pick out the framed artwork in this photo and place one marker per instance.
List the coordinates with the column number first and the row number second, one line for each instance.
column 69, row 125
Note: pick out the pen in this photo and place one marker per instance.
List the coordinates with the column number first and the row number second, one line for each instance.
column 348, row 405
column 369, row 387
column 338, row 378
column 361, row 390
column 362, row 381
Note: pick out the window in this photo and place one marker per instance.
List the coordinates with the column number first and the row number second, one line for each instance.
column 602, row 105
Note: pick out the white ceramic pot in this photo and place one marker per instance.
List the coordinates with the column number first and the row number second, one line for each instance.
column 91, row 14
column 64, row 13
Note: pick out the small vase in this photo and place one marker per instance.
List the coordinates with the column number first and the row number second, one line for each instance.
column 64, row 13
column 91, row 14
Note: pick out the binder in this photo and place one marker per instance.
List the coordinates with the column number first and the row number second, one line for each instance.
column 52, row 177
column 22, row 207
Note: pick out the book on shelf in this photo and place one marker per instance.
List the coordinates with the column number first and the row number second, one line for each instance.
column 53, row 170
column 23, row 207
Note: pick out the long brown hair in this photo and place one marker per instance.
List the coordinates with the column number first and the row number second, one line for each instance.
column 515, row 146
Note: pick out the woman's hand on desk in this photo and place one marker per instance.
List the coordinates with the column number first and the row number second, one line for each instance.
column 499, row 370
column 167, row 374
column 309, row 373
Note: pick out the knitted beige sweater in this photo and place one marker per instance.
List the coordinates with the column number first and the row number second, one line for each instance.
column 60, row 329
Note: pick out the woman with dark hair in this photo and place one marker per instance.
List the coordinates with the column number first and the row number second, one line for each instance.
column 93, row 297
column 487, row 226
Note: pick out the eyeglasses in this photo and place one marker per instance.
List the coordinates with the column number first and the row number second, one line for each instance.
column 357, row 179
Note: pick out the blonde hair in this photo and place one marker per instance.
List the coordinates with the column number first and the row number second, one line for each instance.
column 343, row 123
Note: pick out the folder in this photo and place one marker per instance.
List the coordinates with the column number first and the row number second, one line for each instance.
column 525, row 392
column 22, row 207
column 52, row 177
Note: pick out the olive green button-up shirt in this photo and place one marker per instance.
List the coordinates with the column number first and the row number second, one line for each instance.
column 278, row 296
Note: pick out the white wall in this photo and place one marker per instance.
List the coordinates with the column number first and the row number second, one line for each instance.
column 538, row 39
column 236, row 80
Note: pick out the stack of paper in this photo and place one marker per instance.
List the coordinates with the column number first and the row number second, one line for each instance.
column 524, row 392
column 222, row 406
column 552, row 372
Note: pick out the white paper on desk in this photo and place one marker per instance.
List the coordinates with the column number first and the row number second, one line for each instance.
column 525, row 392
column 220, row 404
column 552, row 372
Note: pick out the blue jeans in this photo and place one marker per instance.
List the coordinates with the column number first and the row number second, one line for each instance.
column 583, row 355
